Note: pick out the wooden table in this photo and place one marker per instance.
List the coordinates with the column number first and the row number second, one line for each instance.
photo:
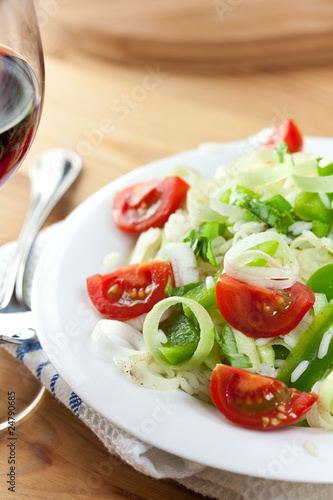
column 119, row 116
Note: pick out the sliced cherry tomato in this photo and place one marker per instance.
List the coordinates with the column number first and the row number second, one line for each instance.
column 262, row 312
column 287, row 132
column 255, row 401
column 148, row 204
column 131, row 290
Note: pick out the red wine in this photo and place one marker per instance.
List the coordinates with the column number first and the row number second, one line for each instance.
column 19, row 112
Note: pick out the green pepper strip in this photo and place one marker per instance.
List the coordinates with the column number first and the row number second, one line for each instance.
column 307, row 349
column 183, row 337
column 308, row 206
column 206, row 297
column 229, row 350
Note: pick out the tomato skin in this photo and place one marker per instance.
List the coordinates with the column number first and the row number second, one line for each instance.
column 130, row 291
column 287, row 132
column 256, row 401
column 148, row 204
column 262, row 312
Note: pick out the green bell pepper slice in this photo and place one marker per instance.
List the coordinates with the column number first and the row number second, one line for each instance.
column 307, row 349
column 308, row 206
column 321, row 281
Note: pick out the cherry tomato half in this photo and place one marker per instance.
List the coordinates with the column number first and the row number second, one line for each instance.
column 148, row 204
column 287, row 132
column 255, row 401
column 131, row 290
column 262, row 312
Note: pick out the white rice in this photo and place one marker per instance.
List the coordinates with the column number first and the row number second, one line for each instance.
column 226, row 246
column 195, row 384
column 267, row 370
column 247, row 228
column 289, row 340
column 278, row 363
column 311, row 448
column 299, row 370
column 111, row 260
column 178, row 224
column 299, row 227
column 205, row 390
column 325, row 343
column 157, row 368
column 193, row 381
column 210, row 282
column 186, row 386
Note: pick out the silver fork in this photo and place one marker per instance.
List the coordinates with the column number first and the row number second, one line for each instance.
column 51, row 174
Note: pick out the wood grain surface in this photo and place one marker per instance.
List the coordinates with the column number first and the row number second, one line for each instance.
column 119, row 116
column 255, row 33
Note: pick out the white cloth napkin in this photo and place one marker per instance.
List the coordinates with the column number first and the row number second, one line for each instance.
column 143, row 457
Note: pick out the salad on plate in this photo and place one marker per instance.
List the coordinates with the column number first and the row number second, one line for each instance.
column 228, row 292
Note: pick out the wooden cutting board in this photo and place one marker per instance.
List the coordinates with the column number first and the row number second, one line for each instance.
column 228, row 32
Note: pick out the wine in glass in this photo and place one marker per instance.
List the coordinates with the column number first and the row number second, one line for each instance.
column 21, row 98
column 21, row 83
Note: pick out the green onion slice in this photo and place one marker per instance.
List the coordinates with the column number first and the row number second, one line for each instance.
column 305, row 175
column 320, row 415
column 259, row 168
column 151, row 338
column 184, row 172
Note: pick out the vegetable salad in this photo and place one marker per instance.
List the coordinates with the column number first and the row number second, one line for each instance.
column 228, row 294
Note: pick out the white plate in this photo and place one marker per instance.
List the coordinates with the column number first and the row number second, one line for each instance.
column 174, row 422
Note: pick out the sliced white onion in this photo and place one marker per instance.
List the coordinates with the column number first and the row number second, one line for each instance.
column 136, row 368
column 198, row 202
column 305, row 175
column 277, row 277
column 225, row 209
column 313, row 240
column 183, row 262
column 206, row 340
column 108, row 331
column 314, row 184
column 108, row 334
column 146, row 246
column 262, row 167
column 320, row 415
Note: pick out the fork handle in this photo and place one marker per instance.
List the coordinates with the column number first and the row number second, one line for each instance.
column 44, row 196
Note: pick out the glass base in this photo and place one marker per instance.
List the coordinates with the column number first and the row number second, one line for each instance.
column 20, row 391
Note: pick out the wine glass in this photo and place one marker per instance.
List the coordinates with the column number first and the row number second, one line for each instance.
column 21, row 99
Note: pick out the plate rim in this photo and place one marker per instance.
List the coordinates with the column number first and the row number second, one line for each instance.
column 91, row 200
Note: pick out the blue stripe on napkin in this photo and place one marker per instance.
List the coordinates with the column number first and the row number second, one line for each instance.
column 74, row 403
column 23, row 349
column 53, row 382
column 39, row 369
